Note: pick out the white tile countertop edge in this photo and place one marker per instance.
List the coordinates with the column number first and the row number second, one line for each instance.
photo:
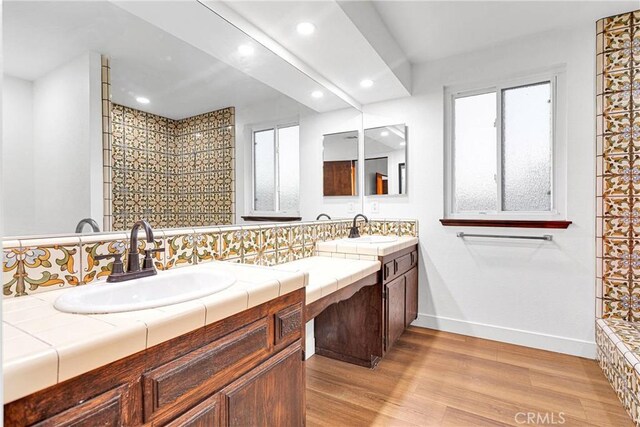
column 329, row 274
column 349, row 246
column 42, row 346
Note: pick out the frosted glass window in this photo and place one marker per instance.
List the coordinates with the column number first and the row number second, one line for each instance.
column 475, row 153
column 526, row 148
column 264, row 170
column 502, row 149
column 288, row 167
column 276, row 173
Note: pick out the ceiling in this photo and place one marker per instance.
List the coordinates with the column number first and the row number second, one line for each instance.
column 384, row 139
column 180, row 79
column 429, row 30
column 338, row 49
column 188, row 69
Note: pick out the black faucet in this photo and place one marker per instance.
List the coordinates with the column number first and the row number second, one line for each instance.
column 133, row 263
column 323, row 215
column 354, row 232
column 91, row 222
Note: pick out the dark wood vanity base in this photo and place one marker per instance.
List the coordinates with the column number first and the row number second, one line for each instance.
column 350, row 327
column 359, row 323
column 244, row 370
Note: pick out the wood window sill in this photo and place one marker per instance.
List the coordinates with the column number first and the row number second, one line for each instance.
column 504, row 223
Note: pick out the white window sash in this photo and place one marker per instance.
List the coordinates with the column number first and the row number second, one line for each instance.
column 276, row 179
column 556, row 77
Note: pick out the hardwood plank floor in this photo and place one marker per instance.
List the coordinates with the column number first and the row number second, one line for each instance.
column 433, row 378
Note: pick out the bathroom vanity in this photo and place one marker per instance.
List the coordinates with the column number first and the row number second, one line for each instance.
column 360, row 322
column 245, row 369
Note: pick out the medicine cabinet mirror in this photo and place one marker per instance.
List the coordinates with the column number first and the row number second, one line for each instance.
column 385, row 160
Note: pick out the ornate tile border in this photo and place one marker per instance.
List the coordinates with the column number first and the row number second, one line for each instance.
column 618, row 167
column 618, row 205
column 46, row 263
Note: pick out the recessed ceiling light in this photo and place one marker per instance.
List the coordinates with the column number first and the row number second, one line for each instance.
column 317, row 94
column 142, row 100
column 384, row 133
column 245, row 50
column 366, row 83
column 305, row 28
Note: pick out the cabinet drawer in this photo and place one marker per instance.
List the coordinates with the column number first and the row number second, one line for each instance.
column 208, row 367
column 103, row 410
column 399, row 266
column 405, row 263
column 388, row 271
column 289, row 324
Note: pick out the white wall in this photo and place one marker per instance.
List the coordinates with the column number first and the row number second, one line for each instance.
column 67, row 150
column 17, row 150
column 528, row 293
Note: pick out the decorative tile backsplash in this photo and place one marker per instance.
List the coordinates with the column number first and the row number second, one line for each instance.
column 173, row 173
column 618, row 167
column 43, row 264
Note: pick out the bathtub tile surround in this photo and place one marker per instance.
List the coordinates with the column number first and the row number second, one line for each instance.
column 174, row 173
column 618, row 205
column 38, row 265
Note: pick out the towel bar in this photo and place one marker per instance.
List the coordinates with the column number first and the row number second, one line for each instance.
column 547, row 237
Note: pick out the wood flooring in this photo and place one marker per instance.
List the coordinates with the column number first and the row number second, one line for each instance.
column 433, row 378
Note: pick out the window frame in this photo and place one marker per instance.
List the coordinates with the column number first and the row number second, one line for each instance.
column 556, row 76
column 275, row 127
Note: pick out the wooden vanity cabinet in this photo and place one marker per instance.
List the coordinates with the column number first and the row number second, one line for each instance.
column 399, row 277
column 244, row 370
column 360, row 322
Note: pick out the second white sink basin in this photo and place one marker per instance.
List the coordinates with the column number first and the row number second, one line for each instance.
column 167, row 287
column 374, row 239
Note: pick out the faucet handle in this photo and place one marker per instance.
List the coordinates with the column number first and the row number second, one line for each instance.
column 148, row 262
column 118, row 267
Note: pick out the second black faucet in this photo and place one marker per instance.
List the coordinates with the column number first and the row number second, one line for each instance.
column 354, row 232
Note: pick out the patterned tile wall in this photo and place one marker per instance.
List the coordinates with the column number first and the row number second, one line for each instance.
column 106, row 143
column 617, row 351
column 618, row 167
column 43, row 264
column 174, row 173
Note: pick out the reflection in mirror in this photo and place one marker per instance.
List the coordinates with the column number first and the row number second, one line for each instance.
column 340, row 164
column 385, row 164
column 117, row 112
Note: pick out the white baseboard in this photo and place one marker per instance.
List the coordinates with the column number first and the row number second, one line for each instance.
column 513, row 336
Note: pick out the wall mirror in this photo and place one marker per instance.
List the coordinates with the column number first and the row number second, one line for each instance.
column 340, row 164
column 385, row 160
column 160, row 110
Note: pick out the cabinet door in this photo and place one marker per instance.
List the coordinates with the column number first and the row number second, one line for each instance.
column 205, row 414
column 270, row 395
column 411, row 298
column 395, row 317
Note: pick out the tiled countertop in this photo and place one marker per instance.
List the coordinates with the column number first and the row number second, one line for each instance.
column 343, row 247
column 327, row 275
column 42, row 346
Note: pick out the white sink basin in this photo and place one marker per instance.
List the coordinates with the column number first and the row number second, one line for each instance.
column 374, row 239
column 168, row 287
